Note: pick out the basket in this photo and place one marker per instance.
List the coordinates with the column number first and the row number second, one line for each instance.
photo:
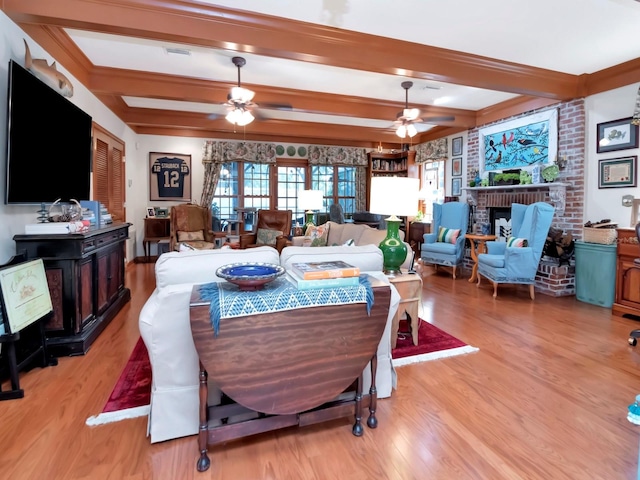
column 605, row 236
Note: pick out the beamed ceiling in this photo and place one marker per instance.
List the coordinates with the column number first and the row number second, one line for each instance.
column 316, row 80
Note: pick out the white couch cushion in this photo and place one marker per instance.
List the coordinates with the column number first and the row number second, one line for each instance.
column 199, row 266
column 368, row 258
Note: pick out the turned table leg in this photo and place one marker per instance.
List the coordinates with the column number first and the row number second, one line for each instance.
column 357, row 426
column 372, row 421
column 203, row 434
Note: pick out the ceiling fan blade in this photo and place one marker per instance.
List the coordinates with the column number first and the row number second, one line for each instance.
column 436, row 119
column 276, row 106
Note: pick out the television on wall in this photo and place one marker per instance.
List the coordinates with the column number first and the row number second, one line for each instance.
column 48, row 143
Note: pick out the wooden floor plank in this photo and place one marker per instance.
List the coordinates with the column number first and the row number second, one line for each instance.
column 545, row 397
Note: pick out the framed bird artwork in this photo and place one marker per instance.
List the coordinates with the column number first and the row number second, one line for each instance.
column 520, row 143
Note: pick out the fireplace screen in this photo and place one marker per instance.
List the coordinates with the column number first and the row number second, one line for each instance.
column 500, row 220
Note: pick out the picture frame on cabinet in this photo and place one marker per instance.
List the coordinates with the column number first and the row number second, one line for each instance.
column 151, row 212
column 616, row 135
column 456, row 187
column 617, row 172
column 456, row 147
column 456, row 167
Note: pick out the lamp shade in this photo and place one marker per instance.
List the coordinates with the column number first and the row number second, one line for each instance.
column 394, row 196
column 310, row 199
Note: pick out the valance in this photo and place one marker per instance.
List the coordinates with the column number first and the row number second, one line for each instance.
column 221, row 152
column 323, row 155
column 432, row 151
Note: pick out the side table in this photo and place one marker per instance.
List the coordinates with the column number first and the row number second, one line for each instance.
column 409, row 287
column 478, row 245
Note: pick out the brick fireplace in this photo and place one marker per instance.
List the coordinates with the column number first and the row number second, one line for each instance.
column 566, row 194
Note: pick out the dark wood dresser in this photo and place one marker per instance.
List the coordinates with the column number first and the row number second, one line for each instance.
column 85, row 272
column 627, row 297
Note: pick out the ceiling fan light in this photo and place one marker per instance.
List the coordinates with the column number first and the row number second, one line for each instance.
column 401, row 131
column 241, row 95
column 411, row 113
column 411, row 130
column 245, row 118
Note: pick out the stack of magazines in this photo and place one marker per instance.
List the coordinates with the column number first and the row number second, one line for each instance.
column 310, row 275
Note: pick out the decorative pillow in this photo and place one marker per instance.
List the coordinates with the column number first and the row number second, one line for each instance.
column 447, row 235
column 267, row 237
column 190, row 236
column 319, row 235
column 350, row 243
column 517, row 242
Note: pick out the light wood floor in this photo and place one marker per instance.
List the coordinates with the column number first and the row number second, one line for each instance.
column 545, row 398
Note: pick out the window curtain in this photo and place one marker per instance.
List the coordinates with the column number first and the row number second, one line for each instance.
column 344, row 156
column 215, row 154
column 433, row 151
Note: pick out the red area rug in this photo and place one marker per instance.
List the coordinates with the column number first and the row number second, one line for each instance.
column 132, row 393
column 433, row 343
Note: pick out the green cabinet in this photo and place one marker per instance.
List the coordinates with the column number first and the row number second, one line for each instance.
column 595, row 273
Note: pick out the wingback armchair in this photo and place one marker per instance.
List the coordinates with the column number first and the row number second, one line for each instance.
column 190, row 224
column 516, row 260
column 444, row 246
column 272, row 228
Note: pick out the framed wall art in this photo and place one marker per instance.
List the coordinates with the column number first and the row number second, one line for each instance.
column 616, row 135
column 617, row 172
column 169, row 177
column 456, row 146
column 456, row 167
column 519, row 143
column 456, row 187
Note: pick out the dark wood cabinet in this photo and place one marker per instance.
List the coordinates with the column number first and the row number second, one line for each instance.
column 415, row 237
column 85, row 272
column 156, row 230
column 627, row 296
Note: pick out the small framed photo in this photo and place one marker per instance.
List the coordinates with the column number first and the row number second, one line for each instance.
column 617, row 172
column 151, row 212
column 456, row 187
column 456, row 147
column 617, row 135
column 456, row 167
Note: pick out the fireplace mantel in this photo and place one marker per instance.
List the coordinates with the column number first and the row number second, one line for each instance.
column 557, row 192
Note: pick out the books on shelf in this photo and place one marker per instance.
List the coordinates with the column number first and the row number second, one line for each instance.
column 302, row 284
column 320, row 270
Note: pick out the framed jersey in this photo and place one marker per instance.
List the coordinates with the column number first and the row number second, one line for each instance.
column 169, row 176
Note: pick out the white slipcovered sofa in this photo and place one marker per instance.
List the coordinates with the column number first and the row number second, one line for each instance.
column 166, row 331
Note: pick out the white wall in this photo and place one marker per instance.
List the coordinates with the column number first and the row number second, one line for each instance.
column 601, row 203
column 14, row 217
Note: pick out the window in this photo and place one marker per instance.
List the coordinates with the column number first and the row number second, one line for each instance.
column 291, row 179
column 338, row 185
column 432, row 187
column 109, row 172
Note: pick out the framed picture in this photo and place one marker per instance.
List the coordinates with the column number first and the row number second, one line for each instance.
column 617, row 172
column 169, row 177
column 617, row 135
column 25, row 294
column 456, row 167
column 456, row 187
column 456, row 146
column 151, row 212
column 519, row 143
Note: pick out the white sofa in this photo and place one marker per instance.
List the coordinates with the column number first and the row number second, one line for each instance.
column 166, row 331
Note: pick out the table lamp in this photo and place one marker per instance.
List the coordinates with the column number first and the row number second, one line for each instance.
column 394, row 196
column 310, row 200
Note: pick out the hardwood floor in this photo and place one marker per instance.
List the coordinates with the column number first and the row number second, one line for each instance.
column 545, row 398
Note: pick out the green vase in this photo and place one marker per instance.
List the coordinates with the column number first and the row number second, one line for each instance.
column 394, row 251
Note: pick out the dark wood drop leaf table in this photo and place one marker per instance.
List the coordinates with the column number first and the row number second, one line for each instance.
column 293, row 367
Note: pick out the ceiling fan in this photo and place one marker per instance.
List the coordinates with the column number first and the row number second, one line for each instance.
column 239, row 101
column 405, row 123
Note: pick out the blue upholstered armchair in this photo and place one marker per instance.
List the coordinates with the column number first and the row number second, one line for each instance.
column 518, row 264
column 439, row 249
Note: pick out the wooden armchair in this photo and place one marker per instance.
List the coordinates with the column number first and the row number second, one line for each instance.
column 272, row 228
column 191, row 225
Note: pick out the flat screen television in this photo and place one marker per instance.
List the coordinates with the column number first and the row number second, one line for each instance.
column 48, row 143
